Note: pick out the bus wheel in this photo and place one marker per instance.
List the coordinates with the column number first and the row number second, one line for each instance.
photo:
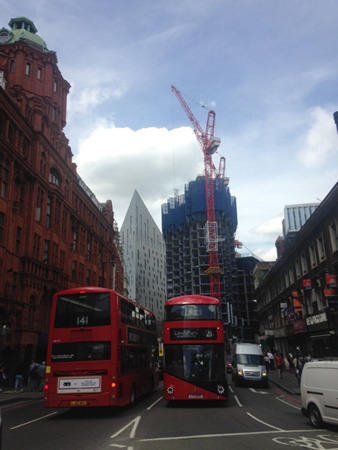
column 132, row 395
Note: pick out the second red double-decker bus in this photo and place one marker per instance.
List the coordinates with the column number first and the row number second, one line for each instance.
column 194, row 350
column 102, row 349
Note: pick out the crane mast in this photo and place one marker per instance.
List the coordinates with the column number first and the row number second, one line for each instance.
column 209, row 144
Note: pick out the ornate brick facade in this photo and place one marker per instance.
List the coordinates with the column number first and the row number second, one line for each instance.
column 54, row 234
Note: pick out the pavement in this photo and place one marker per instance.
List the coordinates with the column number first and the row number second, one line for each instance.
column 8, row 396
column 288, row 383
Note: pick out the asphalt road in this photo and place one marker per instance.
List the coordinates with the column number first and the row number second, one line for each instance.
column 253, row 418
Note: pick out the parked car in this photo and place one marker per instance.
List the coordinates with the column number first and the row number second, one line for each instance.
column 319, row 392
column 228, row 363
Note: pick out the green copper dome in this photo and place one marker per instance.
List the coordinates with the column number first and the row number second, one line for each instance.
column 22, row 29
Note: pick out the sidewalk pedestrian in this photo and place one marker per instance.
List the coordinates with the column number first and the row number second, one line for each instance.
column 33, row 376
column 299, row 368
column 279, row 363
column 271, row 358
column 18, row 383
column 267, row 362
column 41, row 375
column 2, row 376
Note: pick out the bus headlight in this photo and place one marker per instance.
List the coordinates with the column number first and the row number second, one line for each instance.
column 240, row 372
column 220, row 389
column 264, row 373
column 170, row 390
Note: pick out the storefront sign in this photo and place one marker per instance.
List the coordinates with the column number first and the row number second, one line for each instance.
column 331, row 280
column 307, row 284
column 332, row 302
column 317, row 322
column 299, row 326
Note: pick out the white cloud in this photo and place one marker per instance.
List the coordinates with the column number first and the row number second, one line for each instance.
column 271, row 229
column 320, row 142
column 114, row 162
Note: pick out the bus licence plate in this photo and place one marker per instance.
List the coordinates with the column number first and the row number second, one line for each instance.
column 195, row 395
column 78, row 403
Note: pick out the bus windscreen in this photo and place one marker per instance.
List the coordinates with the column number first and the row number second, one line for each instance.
column 192, row 312
column 83, row 310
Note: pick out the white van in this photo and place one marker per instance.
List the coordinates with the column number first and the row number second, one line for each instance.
column 319, row 392
column 248, row 364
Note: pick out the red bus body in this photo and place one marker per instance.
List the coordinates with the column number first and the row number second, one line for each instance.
column 102, row 350
column 194, row 349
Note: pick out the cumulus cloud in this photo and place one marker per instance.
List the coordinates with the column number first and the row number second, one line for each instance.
column 320, row 142
column 272, row 228
column 113, row 162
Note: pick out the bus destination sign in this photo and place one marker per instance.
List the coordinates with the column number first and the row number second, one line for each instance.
column 193, row 334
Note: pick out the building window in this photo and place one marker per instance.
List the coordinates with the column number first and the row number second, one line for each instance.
column 303, row 263
column 48, row 212
column 4, row 174
column 55, row 86
column 45, row 251
column 18, row 240
column 298, row 269
column 75, row 240
column 313, row 255
column 333, row 228
column 28, row 69
column 321, row 248
column 54, row 177
column 39, row 73
column 73, row 270
column 12, row 66
column 2, row 224
column 36, row 245
column 88, row 278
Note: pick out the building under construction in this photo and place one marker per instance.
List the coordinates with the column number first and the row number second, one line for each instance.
column 184, row 220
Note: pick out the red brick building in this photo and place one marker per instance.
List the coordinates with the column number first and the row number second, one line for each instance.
column 54, row 234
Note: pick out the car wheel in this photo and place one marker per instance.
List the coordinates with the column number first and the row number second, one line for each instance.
column 315, row 417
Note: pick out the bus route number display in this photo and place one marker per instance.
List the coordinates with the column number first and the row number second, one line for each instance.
column 193, row 334
column 82, row 321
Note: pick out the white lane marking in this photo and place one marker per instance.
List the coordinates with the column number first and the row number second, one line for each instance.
column 149, row 407
column 134, row 422
column 208, row 436
column 264, row 423
column 35, row 420
column 238, row 402
column 230, row 389
column 258, row 392
column 289, row 404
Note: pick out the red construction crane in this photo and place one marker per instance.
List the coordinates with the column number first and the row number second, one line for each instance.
column 209, row 144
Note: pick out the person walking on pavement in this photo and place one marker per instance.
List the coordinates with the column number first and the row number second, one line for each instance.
column 41, row 375
column 18, row 384
column 267, row 362
column 271, row 358
column 279, row 363
column 33, row 376
column 2, row 376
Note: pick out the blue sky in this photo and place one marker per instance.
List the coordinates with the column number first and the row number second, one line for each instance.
column 267, row 67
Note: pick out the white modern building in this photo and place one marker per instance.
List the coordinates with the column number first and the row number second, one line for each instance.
column 144, row 258
column 295, row 216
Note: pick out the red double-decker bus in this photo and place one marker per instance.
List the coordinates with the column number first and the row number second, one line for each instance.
column 102, row 350
column 194, row 349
